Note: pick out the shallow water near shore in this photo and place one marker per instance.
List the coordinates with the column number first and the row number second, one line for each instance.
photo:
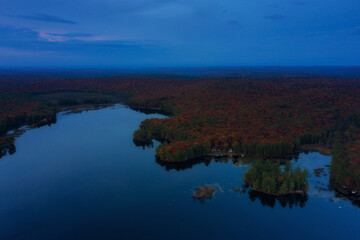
column 84, row 178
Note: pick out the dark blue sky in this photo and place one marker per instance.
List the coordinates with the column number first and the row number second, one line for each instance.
column 153, row 33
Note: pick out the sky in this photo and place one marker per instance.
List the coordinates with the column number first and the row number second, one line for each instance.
column 178, row 33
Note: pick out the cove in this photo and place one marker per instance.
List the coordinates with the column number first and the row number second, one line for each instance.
column 84, row 178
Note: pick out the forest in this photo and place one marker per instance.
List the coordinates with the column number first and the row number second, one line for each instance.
column 262, row 117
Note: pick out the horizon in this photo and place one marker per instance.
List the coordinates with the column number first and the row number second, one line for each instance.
column 218, row 71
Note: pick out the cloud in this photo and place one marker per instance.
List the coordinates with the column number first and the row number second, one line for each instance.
column 71, row 35
column 45, row 18
column 10, row 33
column 15, row 41
column 276, row 17
column 60, row 37
column 336, row 33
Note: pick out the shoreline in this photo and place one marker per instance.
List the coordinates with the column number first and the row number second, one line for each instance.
column 343, row 190
column 297, row 192
column 88, row 107
column 17, row 132
column 324, row 150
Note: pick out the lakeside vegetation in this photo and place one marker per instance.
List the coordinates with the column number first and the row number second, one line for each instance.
column 255, row 117
column 268, row 177
column 345, row 167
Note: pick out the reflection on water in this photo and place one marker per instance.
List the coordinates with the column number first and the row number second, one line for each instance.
column 290, row 200
column 83, row 178
column 342, row 197
column 144, row 144
column 179, row 166
column 319, row 184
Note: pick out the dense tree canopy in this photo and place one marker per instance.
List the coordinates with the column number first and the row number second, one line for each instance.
column 267, row 176
column 264, row 117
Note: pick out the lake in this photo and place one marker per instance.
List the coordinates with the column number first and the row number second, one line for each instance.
column 84, row 178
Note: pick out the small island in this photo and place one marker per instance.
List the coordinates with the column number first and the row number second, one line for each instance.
column 204, row 192
column 269, row 178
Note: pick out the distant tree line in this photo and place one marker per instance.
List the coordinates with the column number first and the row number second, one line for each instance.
column 148, row 131
column 164, row 105
column 68, row 102
column 73, row 101
column 190, row 151
column 97, row 100
column 35, row 119
column 264, row 150
column 343, row 171
column 153, row 129
column 281, row 149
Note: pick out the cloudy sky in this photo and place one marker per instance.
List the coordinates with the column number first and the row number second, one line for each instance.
column 168, row 33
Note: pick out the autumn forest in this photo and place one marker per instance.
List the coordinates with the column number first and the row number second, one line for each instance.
column 261, row 117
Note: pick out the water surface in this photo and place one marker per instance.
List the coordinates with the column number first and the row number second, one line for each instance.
column 83, row 178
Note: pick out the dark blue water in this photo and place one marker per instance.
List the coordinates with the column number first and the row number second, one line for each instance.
column 83, row 178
